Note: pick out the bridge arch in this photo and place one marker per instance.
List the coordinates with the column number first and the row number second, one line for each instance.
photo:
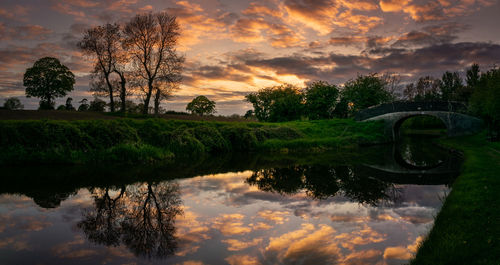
column 395, row 113
column 398, row 123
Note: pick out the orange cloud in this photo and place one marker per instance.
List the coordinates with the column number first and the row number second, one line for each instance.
column 242, row 260
column 237, row 245
column 231, row 224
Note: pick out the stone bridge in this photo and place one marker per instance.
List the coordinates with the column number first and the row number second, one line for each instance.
column 395, row 113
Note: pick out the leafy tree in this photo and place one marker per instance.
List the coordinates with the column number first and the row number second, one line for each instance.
column 69, row 105
column 48, row 79
column 365, row 91
column 485, row 100
column 151, row 40
column 84, row 105
column 97, row 105
column 321, row 99
column 426, row 89
column 249, row 114
column 13, row 103
column 201, row 105
column 278, row 103
column 471, row 80
column 61, row 107
column 450, row 84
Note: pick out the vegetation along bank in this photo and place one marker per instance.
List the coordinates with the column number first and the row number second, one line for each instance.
column 135, row 141
column 467, row 229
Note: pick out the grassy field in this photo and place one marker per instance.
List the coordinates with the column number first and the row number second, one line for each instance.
column 131, row 141
column 467, row 229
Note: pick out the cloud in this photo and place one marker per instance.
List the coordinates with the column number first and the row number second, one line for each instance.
column 231, row 224
column 238, row 245
column 25, row 32
column 242, row 260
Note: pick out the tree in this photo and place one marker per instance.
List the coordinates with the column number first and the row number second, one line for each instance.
column 13, row 103
column 201, row 105
column 365, row 91
column 321, row 99
column 68, row 105
column 485, row 101
column 426, row 89
column 103, row 43
column 450, row 84
column 48, row 79
column 472, row 79
column 97, row 105
column 151, row 39
column 84, row 106
column 278, row 103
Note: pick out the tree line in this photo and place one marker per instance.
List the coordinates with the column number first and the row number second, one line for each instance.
column 480, row 91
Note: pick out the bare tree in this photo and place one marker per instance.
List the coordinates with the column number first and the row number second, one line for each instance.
column 151, row 39
column 103, row 43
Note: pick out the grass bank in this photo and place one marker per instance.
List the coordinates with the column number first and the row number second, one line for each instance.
column 467, row 229
column 144, row 141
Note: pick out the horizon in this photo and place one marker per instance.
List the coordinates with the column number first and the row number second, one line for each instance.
column 233, row 48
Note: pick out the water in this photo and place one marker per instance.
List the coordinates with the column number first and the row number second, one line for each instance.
column 372, row 207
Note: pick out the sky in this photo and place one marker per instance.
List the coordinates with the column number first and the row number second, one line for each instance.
column 234, row 47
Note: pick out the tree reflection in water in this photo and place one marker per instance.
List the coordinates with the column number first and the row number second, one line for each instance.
column 321, row 182
column 141, row 217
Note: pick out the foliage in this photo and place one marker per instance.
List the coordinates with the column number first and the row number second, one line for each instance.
column 48, row 79
column 425, row 89
column 90, row 141
column 201, row 105
column 278, row 103
column 321, row 99
column 69, row 105
column 467, row 229
column 98, row 105
column 365, row 91
column 84, row 106
column 450, row 85
column 485, row 100
column 13, row 103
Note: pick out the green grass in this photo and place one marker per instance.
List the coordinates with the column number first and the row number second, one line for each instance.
column 467, row 229
column 133, row 141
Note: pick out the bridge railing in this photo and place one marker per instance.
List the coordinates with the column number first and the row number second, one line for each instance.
column 404, row 106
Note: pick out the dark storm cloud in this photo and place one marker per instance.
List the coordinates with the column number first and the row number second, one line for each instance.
column 433, row 59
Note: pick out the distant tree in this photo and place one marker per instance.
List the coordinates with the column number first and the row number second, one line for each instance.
column 485, row 101
column 69, row 105
column 84, row 105
column 13, row 103
column 472, row 79
column 103, row 43
column 97, row 105
column 249, row 114
column 278, row 103
column 48, row 79
column 365, row 91
column 151, row 40
column 321, row 99
column 426, row 89
column 61, row 107
column 450, row 85
column 201, row 105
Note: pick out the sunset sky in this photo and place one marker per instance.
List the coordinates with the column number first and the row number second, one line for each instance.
column 235, row 47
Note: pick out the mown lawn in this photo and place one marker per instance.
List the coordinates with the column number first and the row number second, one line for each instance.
column 467, row 229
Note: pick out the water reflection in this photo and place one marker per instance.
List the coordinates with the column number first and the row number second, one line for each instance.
column 323, row 181
column 140, row 217
column 328, row 209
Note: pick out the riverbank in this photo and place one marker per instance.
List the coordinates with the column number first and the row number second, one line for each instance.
column 467, row 229
column 145, row 141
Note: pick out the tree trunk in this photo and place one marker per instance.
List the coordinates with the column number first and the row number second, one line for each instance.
column 110, row 88
column 148, row 98
column 157, row 101
column 123, row 92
